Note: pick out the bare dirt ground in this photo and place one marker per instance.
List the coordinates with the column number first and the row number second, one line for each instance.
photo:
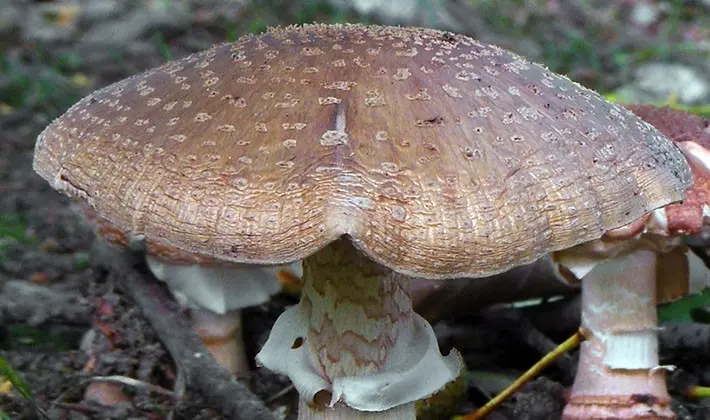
column 62, row 323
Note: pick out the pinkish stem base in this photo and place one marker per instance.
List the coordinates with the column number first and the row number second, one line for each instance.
column 308, row 411
column 222, row 336
column 618, row 375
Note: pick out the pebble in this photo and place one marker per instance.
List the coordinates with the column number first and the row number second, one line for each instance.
column 662, row 81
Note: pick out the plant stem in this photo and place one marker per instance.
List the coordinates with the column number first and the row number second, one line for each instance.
column 531, row 373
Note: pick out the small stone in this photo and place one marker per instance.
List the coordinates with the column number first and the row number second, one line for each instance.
column 645, row 13
column 9, row 19
column 96, row 11
column 39, row 278
column 540, row 399
column 661, row 81
column 134, row 25
column 51, row 22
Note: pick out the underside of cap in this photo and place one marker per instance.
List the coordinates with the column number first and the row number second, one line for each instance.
column 439, row 156
column 218, row 288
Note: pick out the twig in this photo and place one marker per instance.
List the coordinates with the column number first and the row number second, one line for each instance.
column 125, row 380
column 513, row 321
column 86, row 409
column 558, row 319
column 702, row 253
column 202, row 372
column 280, row 394
column 685, row 336
column 58, row 402
column 531, row 373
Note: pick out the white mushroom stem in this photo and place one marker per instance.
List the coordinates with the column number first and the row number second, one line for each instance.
column 619, row 375
column 353, row 347
column 215, row 295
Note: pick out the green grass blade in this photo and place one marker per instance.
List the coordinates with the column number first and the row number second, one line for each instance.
column 19, row 384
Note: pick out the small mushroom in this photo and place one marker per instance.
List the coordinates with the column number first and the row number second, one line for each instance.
column 375, row 154
column 213, row 293
column 624, row 274
column 216, row 294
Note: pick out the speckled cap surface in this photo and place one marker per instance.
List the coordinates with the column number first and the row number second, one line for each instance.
column 439, row 156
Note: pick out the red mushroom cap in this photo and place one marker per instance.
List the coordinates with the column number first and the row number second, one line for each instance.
column 684, row 218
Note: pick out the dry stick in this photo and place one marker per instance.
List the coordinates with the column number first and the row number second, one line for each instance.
column 558, row 318
column 82, row 408
column 702, row 253
column 135, row 383
column 563, row 316
column 685, row 336
column 534, row 371
column 201, row 371
column 514, row 322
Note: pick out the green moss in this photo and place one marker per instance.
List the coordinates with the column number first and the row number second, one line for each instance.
column 261, row 15
column 29, row 85
column 14, row 228
column 163, row 48
column 82, row 261
column 573, row 52
column 256, row 26
column 444, row 403
column 40, row 338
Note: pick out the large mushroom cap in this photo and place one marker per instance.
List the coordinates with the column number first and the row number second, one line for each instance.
column 438, row 155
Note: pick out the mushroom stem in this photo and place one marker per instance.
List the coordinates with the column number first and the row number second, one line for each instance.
column 308, row 411
column 618, row 375
column 357, row 311
column 222, row 335
column 353, row 346
column 355, row 316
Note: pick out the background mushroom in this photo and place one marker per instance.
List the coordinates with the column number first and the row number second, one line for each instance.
column 624, row 275
column 214, row 294
column 374, row 154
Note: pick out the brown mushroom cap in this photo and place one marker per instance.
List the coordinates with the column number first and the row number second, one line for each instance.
column 438, row 155
column 684, row 218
